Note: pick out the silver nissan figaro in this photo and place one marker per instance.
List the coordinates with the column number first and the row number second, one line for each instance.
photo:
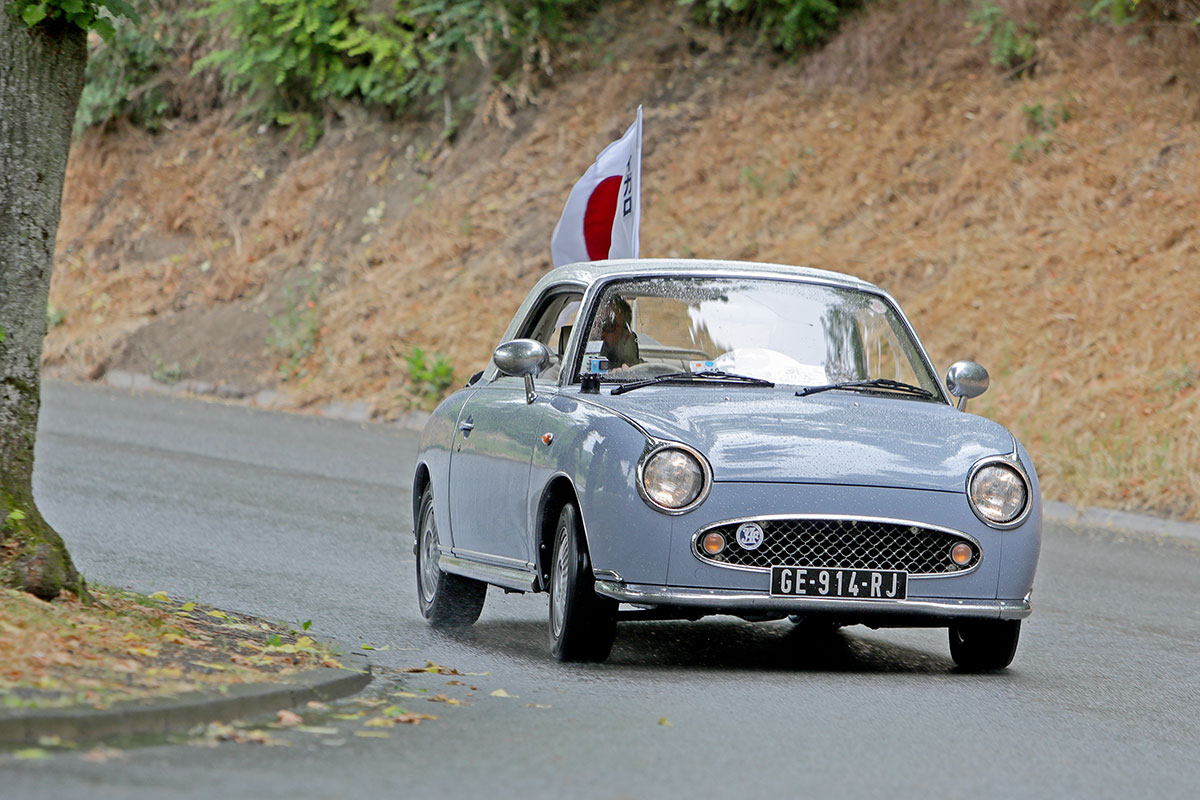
column 693, row 437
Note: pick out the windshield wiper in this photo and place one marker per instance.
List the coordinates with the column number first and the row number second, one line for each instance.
column 707, row 376
column 869, row 384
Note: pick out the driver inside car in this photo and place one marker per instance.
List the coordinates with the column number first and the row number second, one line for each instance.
column 620, row 344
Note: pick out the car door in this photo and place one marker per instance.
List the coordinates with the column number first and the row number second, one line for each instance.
column 493, row 447
column 489, row 473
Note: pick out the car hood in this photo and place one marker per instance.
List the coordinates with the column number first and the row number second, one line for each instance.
column 756, row 434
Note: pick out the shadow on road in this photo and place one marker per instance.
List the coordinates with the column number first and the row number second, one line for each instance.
column 722, row 643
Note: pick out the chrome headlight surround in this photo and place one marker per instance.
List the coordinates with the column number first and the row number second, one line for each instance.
column 658, row 449
column 1011, row 464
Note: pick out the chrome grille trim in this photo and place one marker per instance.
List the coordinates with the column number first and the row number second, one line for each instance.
column 781, row 547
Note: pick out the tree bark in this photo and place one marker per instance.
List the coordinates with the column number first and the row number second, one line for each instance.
column 41, row 77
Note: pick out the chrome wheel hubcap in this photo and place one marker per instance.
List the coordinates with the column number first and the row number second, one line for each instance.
column 558, row 585
column 429, row 559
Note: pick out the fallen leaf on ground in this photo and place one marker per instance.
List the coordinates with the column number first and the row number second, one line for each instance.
column 317, row 729
column 431, row 666
column 289, row 718
column 502, row 693
column 414, row 719
column 32, row 754
column 537, row 705
column 373, row 734
column 664, row 721
column 379, row 722
column 101, row 755
column 161, row 597
column 450, row 701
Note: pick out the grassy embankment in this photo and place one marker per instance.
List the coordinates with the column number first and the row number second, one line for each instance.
column 1043, row 225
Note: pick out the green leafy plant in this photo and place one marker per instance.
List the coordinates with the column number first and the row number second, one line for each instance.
column 430, row 376
column 125, row 71
column 295, row 332
column 1043, row 124
column 787, row 25
column 54, row 316
column 90, row 15
column 13, row 521
column 295, row 56
column 1013, row 45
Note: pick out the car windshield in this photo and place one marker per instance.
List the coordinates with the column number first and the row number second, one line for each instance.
column 783, row 331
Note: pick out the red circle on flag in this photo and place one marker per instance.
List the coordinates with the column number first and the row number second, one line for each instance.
column 599, row 215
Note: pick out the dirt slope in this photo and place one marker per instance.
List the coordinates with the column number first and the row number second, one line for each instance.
column 1046, row 226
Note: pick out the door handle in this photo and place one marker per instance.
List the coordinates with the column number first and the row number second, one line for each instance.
column 467, row 425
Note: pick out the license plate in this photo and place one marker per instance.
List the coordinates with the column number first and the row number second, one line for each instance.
column 853, row 584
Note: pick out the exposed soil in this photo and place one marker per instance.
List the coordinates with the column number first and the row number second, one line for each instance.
column 1044, row 225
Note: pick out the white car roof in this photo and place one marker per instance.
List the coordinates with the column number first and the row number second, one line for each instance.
column 588, row 272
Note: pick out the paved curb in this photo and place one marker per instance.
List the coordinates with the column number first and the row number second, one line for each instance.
column 164, row 715
column 1120, row 521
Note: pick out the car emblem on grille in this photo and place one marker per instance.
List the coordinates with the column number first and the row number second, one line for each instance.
column 750, row 535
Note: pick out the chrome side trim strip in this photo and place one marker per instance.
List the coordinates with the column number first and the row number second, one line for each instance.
column 607, row 575
column 740, row 600
column 522, row 580
column 488, row 558
column 841, row 518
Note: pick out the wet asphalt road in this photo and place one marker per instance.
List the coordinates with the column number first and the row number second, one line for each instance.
column 297, row 518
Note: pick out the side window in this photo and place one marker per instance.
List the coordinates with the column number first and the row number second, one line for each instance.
column 551, row 325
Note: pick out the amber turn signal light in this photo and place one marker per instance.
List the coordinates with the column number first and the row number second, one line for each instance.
column 714, row 543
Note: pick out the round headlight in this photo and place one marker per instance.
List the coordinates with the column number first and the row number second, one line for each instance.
column 673, row 478
column 998, row 493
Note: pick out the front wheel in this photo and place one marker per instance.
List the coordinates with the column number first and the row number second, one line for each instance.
column 446, row 600
column 984, row 645
column 583, row 624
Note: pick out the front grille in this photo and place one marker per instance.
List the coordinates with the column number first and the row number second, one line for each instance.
column 849, row 543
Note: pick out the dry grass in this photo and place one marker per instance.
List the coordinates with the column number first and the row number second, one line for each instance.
column 1070, row 272
column 127, row 646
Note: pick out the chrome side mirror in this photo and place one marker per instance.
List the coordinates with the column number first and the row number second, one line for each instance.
column 966, row 379
column 523, row 358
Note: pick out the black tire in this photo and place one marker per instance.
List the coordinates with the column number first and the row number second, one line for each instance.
column 583, row 624
column 984, row 645
column 447, row 601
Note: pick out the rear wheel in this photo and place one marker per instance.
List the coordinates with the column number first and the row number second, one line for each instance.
column 446, row 600
column 984, row 645
column 583, row 624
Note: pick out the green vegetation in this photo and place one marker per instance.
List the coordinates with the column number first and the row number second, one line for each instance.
column 430, row 376
column 124, row 72
column 787, row 25
column 295, row 332
column 1013, row 45
column 294, row 60
column 1042, row 123
column 295, row 56
column 91, row 15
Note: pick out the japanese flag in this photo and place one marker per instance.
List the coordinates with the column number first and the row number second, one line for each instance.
column 601, row 217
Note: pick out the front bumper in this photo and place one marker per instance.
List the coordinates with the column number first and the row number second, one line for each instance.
column 738, row 602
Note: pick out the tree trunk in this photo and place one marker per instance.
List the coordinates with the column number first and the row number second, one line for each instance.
column 41, row 76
